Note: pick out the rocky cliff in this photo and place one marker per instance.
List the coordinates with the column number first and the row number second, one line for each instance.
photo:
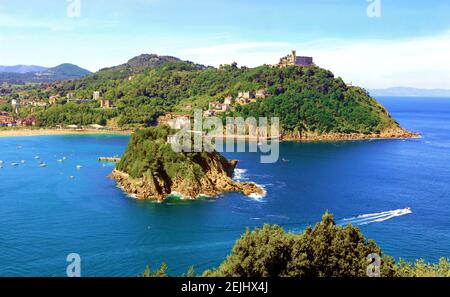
column 392, row 133
column 150, row 169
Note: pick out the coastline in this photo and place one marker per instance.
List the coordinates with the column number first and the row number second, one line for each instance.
column 330, row 137
column 336, row 137
column 158, row 189
column 49, row 132
column 308, row 137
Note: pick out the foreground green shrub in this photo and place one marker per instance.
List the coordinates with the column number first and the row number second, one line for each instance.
column 326, row 250
column 422, row 269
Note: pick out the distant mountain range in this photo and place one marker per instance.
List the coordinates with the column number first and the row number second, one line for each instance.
column 27, row 74
column 22, row 68
column 410, row 92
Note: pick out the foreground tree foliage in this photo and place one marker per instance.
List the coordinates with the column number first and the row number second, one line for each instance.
column 160, row 272
column 423, row 269
column 327, row 250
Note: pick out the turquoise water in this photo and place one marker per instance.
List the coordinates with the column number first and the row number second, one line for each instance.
column 45, row 214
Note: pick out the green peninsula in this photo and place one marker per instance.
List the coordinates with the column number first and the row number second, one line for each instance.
column 311, row 102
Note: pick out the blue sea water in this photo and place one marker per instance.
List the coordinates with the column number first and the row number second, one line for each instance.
column 48, row 212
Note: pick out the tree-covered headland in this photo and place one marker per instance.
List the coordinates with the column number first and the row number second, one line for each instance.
column 308, row 100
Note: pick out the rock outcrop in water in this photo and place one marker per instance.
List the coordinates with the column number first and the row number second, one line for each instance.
column 150, row 169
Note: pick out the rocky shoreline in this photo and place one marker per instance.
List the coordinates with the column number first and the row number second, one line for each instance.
column 150, row 170
column 216, row 182
column 312, row 137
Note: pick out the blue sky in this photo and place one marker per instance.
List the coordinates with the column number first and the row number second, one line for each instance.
column 408, row 45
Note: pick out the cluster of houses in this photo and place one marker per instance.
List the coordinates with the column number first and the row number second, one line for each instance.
column 177, row 121
column 174, row 121
column 70, row 97
column 243, row 98
column 16, row 104
column 7, row 120
column 34, row 103
column 218, row 107
column 54, row 99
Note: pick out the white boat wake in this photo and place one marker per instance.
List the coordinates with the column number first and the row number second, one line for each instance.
column 259, row 197
column 366, row 219
column 240, row 174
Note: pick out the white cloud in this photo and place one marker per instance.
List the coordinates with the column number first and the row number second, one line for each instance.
column 245, row 53
column 420, row 62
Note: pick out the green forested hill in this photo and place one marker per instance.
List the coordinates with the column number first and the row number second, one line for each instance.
column 307, row 99
column 60, row 72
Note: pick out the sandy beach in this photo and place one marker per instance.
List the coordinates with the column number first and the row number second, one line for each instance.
column 402, row 134
column 42, row 132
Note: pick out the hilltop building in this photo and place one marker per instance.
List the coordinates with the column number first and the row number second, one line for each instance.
column 245, row 98
column 246, row 95
column 261, row 94
column 180, row 122
column 96, row 95
column 34, row 103
column 219, row 107
column 53, row 99
column 15, row 105
column 106, row 104
column 293, row 59
column 174, row 121
column 172, row 139
column 228, row 100
column 80, row 101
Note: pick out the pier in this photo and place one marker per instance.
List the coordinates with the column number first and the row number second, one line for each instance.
column 109, row 159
